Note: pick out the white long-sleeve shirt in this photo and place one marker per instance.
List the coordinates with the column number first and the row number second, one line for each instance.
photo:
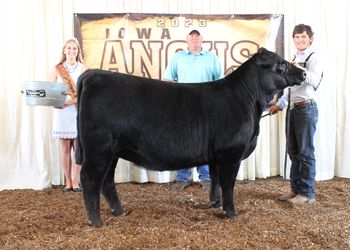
column 306, row 91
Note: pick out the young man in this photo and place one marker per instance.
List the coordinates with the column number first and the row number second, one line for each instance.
column 193, row 65
column 303, row 119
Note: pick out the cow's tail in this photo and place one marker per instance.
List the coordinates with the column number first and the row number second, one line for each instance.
column 79, row 155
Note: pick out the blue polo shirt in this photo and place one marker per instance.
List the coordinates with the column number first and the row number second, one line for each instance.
column 190, row 68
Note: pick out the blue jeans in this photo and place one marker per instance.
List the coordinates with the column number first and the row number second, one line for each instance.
column 301, row 150
column 184, row 175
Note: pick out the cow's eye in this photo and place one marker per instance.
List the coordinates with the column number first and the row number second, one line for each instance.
column 281, row 68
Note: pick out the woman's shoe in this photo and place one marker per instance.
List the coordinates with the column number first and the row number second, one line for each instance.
column 76, row 190
column 67, row 189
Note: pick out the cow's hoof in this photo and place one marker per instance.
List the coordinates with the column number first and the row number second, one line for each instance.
column 216, row 204
column 231, row 215
column 97, row 225
column 116, row 214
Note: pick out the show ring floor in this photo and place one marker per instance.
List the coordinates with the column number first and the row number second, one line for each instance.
column 159, row 218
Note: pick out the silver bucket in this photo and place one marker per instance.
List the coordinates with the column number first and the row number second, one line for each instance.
column 45, row 93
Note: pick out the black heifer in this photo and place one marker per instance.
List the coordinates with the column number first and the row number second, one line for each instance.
column 170, row 126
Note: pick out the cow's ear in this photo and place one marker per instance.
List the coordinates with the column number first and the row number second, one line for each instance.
column 262, row 50
column 264, row 58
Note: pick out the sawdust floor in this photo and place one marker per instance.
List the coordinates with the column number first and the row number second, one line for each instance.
column 159, row 218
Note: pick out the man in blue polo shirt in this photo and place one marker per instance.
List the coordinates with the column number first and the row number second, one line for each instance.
column 193, row 65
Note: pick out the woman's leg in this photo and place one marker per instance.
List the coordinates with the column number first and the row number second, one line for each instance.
column 76, row 168
column 66, row 161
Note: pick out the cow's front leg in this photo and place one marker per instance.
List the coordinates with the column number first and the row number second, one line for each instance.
column 91, row 177
column 109, row 192
column 228, row 174
column 215, row 197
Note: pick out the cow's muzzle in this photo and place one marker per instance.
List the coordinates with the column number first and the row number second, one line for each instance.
column 303, row 75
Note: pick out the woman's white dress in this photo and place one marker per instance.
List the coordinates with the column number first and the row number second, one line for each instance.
column 65, row 120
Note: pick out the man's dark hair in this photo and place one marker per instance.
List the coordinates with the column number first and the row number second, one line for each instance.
column 298, row 29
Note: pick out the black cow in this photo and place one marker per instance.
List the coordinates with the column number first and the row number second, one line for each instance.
column 170, row 126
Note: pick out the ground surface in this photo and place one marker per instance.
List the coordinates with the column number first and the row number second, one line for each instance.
column 159, row 218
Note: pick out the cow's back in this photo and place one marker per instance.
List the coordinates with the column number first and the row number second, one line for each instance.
column 150, row 120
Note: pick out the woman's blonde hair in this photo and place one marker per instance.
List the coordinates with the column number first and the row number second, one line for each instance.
column 63, row 56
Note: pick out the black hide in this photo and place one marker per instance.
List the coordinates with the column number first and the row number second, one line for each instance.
column 170, row 126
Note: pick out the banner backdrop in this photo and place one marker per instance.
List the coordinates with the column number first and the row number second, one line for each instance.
column 142, row 44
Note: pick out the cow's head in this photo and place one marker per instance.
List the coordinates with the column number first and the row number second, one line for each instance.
column 284, row 73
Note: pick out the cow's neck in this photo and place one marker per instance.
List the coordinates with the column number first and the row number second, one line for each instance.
column 247, row 79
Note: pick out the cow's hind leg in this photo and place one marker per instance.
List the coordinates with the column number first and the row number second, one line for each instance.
column 215, row 197
column 92, row 175
column 109, row 192
column 227, row 175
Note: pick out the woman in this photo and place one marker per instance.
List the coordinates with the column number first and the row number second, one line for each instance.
column 64, row 121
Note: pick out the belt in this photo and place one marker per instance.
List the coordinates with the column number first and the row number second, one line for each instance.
column 297, row 104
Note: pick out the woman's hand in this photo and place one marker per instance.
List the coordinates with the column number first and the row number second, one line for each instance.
column 66, row 104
